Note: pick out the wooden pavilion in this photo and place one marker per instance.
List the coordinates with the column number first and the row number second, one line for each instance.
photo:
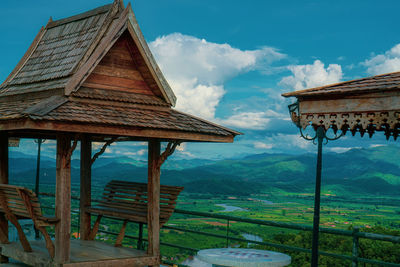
column 91, row 77
column 364, row 105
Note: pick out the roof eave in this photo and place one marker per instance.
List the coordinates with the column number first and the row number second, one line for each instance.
column 32, row 124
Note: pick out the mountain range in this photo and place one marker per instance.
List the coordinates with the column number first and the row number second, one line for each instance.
column 365, row 171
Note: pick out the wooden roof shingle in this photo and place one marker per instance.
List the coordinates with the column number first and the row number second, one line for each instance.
column 94, row 73
column 57, row 50
column 388, row 81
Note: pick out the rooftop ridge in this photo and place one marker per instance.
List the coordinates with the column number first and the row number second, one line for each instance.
column 84, row 15
column 333, row 85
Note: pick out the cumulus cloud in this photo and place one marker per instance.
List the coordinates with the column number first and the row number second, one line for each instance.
column 181, row 150
column 251, row 120
column 339, row 149
column 312, row 75
column 384, row 63
column 197, row 69
column 287, row 142
column 261, row 145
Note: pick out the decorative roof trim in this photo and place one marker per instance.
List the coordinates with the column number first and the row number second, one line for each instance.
column 136, row 33
column 126, row 21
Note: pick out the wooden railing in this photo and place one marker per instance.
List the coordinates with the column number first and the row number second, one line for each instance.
column 356, row 235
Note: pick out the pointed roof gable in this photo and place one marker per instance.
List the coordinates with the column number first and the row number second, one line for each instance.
column 66, row 51
column 94, row 73
column 57, row 50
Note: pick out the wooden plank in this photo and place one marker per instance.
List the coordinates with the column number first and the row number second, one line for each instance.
column 118, row 72
column 153, row 208
column 4, row 180
column 117, row 88
column 142, row 46
column 112, row 130
column 136, row 86
column 127, row 262
column 63, row 199
column 116, row 30
column 86, row 186
column 360, row 104
column 83, row 253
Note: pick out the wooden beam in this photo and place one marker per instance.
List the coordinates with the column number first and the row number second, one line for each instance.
column 86, row 186
column 153, row 206
column 116, row 30
column 3, row 180
column 63, row 199
column 114, row 131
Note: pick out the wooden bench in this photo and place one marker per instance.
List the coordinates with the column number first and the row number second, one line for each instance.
column 128, row 201
column 20, row 203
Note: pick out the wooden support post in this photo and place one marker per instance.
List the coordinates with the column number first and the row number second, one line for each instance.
column 121, row 235
column 86, row 186
column 153, row 206
column 3, row 180
column 63, row 199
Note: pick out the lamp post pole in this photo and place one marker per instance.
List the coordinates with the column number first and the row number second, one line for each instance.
column 317, row 199
column 39, row 142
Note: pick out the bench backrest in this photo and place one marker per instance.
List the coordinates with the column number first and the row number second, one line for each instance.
column 131, row 195
column 20, row 201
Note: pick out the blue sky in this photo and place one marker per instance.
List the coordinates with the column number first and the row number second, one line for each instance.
column 229, row 61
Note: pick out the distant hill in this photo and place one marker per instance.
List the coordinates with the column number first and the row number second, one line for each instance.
column 365, row 171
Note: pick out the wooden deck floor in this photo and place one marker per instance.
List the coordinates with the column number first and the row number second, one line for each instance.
column 83, row 253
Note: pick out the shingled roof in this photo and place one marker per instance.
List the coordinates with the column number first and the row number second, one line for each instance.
column 94, row 73
column 383, row 82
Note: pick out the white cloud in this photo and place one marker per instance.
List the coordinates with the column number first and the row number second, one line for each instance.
column 384, row 63
column 312, row 75
column 290, row 142
column 247, row 120
column 261, row 145
column 339, row 149
column 182, row 150
column 377, row 145
column 197, row 69
column 142, row 152
column 251, row 120
column 181, row 147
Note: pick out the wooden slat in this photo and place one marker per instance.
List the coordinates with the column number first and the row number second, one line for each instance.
column 116, row 88
column 132, row 200
column 107, row 79
column 113, row 130
column 132, row 207
column 118, row 72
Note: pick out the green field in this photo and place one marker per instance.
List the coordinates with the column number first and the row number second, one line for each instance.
column 336, row 212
